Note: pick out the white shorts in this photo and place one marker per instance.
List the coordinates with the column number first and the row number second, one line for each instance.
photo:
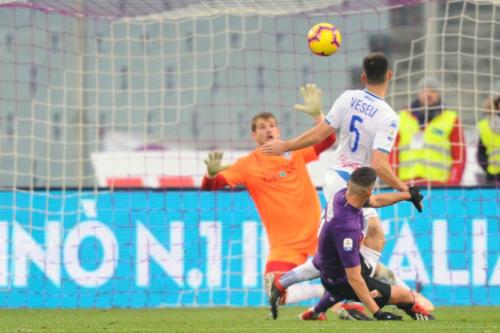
column 333, row 183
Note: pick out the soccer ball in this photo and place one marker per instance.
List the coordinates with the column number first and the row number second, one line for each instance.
column 324, row 39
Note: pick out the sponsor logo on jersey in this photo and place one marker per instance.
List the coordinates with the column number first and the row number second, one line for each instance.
column 347, row 244
column 281, row 174
column 392, row 134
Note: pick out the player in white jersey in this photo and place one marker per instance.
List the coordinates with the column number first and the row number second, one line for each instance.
column 367, row 127
column 366, row 123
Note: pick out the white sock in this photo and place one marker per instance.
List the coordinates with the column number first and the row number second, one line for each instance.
column 399, row 282
column 304, row 272
column 302, row 292
column 372, row 257
column 384, row 274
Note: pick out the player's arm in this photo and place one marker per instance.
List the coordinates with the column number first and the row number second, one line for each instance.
column 347, row 243
column 215, row 183
column 311, row 137
column 325, row 144
column 359, row 286
column 387, row 199
column 382, row 168
column 383, row 142
column 380, row 163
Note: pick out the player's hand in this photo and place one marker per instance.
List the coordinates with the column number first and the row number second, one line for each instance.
column 213, row 163
column 379, row 315
column 416, row 198
column 275, row 147
column 312, row 100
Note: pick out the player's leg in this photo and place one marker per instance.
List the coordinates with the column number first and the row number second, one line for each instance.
column 278, row 295
column 386, row 275
column 371, row 249
column 304, row 272
column 405, row 300
column 374, row 240
column 373, row 244
column 318, row 312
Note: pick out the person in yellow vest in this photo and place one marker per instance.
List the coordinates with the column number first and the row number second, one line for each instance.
column 430, row 143
column 488, row 149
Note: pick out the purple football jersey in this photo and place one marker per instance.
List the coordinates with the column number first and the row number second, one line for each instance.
column 339, row 239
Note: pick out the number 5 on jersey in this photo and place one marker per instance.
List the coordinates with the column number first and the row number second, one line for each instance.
column 354, row 133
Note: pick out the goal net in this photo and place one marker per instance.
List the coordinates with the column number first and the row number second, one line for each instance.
column 108, row 109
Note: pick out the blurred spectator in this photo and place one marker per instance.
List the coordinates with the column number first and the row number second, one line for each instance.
column 488, row 149
column 430, row 143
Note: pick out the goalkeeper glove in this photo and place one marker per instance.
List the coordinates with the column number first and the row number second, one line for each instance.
column 213, row 163
column 379, row 315
column 312, row 100
column 416, row 198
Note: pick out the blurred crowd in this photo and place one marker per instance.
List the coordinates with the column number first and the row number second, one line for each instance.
column 430, row 144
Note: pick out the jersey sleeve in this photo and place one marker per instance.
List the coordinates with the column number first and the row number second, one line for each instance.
column 347, row 243
column 308, row 154
column 212, row 184
column 385, row 135
column 235, row 174
column 334, row 116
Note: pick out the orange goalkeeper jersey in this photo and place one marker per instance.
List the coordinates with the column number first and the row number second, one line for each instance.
column 285, row 197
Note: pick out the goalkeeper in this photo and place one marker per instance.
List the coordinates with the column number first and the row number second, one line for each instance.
column 344, row 272
column 282, row 191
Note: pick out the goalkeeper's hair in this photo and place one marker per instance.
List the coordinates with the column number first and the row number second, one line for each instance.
column 363, row 177
column 262, row 115
column 375, row 66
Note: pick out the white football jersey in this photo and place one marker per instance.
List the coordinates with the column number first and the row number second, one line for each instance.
column 364, row 122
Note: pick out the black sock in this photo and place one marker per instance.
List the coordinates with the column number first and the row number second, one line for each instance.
column 405, row 306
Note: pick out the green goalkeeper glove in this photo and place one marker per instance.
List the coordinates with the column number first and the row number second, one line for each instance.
column 312, row 100
column 213, row 163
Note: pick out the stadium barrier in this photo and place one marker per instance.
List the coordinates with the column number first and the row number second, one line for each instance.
column 150, row 248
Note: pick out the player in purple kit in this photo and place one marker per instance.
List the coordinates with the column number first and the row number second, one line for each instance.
column 344, row 272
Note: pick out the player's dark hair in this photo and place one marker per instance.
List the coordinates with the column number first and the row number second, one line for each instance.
column 262, row 115
column 375, row 67
column 363, row 177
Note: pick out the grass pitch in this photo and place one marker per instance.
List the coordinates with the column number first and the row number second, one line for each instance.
column 449, row 319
